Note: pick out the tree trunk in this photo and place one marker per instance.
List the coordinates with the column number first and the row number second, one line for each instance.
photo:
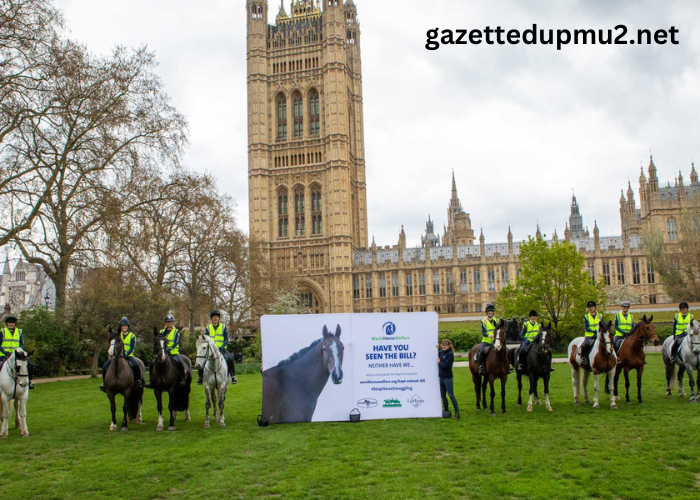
column 95, row 360
column 60, row 281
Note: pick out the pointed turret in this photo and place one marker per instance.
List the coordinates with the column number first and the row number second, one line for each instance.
column 623, row 201
column 482, row 243
column 6, row 271
column 681, row 186
column 693, row 176
column 567, row 233
column 630, row 192
column 653, row 179
column 555, row 237
column 538, row 234
column 402, row 238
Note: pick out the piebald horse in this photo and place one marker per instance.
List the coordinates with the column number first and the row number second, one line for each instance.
column 632, row 355
column 119, row 379
column 497, row 365
column 602, row 360
column 216, row 377
column 164, row 379
column 687, row 360
column 14, row 382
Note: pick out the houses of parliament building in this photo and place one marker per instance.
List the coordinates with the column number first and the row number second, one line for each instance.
column 308, row 197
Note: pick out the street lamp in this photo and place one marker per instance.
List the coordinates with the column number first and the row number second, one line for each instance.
column 46, row 300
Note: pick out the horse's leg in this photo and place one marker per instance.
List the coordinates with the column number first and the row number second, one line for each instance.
column 24, row 432
column 113, row 407
column 586, row 376
column 503, row 393
column 483, row 391
column 477, row 389
column 681, row 371
column 627, row 385
column 610, row 380
column 545, row 382
column 139, row 416
column 575, row 383
column 207, row 405
column 596, row 388
column 640, row 371
column 222, row 402
column 691, row 382
column 4, row 415
column 493, row 394
column 172, row 408
column 125, row 423
column 17, row 420
column 214, row 400
column 159, row 402
column 520, row 389
column 531, row 394
column 618, row 371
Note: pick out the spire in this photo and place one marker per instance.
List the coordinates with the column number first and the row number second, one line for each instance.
column 510, row 234
column 623, row 201
column 652, row 167
column 538, row 234
column 6, row 270
column 693, row 176
column 630, row 192
column 596, row 231
column 555, row 237
column 283, row 12
column 481, row 237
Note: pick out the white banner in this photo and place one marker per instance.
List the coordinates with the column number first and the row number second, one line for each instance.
column 319, row 367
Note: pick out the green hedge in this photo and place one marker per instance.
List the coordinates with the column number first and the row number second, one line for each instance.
column 462, row 339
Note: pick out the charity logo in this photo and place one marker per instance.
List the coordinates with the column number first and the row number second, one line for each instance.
column 416, row 401
column 389, row 328
column 367, row 403
column 392, row 403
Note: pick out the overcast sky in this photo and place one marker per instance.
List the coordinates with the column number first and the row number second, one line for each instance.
column 520, row 125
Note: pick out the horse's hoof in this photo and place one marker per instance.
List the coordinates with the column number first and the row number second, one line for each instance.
column 549, row 408
column 171, row 428
column 4, row 436
column 538, row 402
column 577, row 403
column 124, row 429
column 596, row 406
column 25, row 435
column 112, row 428
column 641, row 403
column 159, row 428
column 493, row 413
column 629, row 402
column 478, row 409
column 529, row 408
column 207, row 426
column 588, row 401
column 681, row 395
column 223, row 426
column 614, row 407
column 139, row 422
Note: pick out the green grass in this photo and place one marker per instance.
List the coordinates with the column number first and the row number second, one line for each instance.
column 637, row 452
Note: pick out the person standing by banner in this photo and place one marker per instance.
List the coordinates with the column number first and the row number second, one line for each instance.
column 445, row 360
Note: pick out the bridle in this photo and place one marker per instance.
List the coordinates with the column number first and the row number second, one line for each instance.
column 15, row 374
column 122, row 351
column 542, row 346
column 207, row 358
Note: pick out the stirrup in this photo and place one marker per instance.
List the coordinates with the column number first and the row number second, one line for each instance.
column 234, row 380
column 149, row 385
column 482, row 370
column 521, row 367
column 138, row 384
column 200, row 381
column 102, row 389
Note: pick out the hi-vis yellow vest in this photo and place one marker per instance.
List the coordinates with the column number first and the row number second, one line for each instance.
column 216, row 334
column 593, row 322
column 624, row 324
column 170, row 337
column 682, row 323
column 532, row 331
column 490, row 329
column 10, row 340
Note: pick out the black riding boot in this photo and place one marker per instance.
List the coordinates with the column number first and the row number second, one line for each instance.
column 181, row 379
column 136, row 370
column 482, row 362
column 30, row 375
column 522, row 358
column 149, row 384
column 200, row 380
column 231, row 368
column 104, row 371
column 674, row 349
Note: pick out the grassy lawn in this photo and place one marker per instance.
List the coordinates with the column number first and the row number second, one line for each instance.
column 638, row 452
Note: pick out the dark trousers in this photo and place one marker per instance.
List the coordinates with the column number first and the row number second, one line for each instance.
column 677, row 341
column 617, row 342
column 447, row 387
column 524, row 349
column 132, row 364
column 587, row 346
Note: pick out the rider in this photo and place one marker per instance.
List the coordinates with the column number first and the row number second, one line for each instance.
column 624, row 324
column 11, row 340
column 590, row 325
column 172, row 344
column 219, row 334
column 488, row 329
column 530, row 330
column 681, row 322
column 129, row 340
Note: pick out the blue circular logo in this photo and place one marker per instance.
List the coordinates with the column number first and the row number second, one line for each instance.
column 389, row 328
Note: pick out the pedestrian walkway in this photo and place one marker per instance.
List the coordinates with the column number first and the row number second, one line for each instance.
column 60, row 379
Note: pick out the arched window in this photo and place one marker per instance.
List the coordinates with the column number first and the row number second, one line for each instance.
column 316, row 211
column 299, row 207
column 281, row 117
column 672, row 227
column 283, row 212
column 314, row 112
column 298, row 115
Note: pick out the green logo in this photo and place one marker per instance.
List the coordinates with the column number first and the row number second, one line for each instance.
column 392, row 403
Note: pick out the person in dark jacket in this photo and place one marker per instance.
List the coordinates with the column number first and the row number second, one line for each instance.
column 445, row 360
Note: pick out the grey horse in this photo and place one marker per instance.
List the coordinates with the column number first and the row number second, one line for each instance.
column 687, row 360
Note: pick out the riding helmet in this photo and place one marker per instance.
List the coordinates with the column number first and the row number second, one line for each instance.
column 591, row 303
column 490, row 307
column 682, row 305
column 124, row 321
column 626, row 303
column 10, row 318
column 215, row 312
column 533, row 313
column 169, row 318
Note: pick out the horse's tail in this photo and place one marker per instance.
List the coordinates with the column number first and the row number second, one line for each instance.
column 182, row 398
column 674, row 376
column 133, row 403
column 607, row 379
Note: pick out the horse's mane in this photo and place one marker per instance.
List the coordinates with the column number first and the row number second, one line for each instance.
column 291, row 359
column 636, row 327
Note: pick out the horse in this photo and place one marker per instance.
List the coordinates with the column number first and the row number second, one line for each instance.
column 164, row 379
column 632, row 356
column 497, row 365
column 539, row 364
column 687, row 360
column 119, row 379
column 216, row 377
column 603, row 361
column 291, row 389
column 12, row 387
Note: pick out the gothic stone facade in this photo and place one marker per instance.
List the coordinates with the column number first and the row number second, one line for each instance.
column 307, row 188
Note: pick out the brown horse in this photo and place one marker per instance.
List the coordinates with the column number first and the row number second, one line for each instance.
column 632, row 355
column 497, row 365
column 119, row 379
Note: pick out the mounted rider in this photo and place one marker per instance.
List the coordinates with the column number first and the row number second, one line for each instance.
column 11, row 339
column 624, row 324
column 681, row 322
column 129, row 340
column 530, row 330
column 171, row 335
column 488, row 330
column 590, row 324
column 218, row 332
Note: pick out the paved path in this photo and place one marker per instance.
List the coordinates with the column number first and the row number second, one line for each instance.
column 465, row 364
column 60, row 379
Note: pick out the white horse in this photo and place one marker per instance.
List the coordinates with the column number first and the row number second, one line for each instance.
column 216, row 377
column 601, row 361
column 14, row 384
column 688, row 359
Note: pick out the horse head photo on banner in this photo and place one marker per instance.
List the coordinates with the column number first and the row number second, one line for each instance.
column 333, row 354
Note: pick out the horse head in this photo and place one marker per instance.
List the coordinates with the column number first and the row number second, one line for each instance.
column 204, row 348
column 21, row 365
column 158, row 345
column 333, row 354
column 649, row 330
column 545, row 338
column 499, row 337
column 605, row 337
column 115, row 344
column 694, row 336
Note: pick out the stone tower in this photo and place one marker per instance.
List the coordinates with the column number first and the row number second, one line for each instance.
column 306, row 167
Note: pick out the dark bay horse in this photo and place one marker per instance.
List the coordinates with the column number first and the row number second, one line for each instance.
column 538, row 366
column 164, row 379
column 632, row 355
column 291, row 389
column 119, row 379
column 497, row 365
